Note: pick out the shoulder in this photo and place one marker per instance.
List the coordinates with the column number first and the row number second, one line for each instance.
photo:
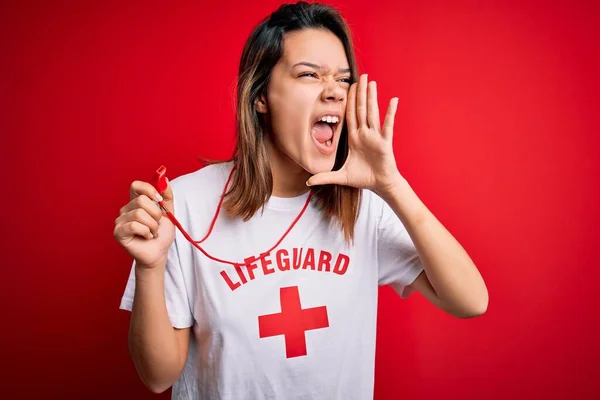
column 371, row 203
column 369, row 212
column 205, row 180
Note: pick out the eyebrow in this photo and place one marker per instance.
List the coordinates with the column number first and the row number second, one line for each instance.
column 318, row 67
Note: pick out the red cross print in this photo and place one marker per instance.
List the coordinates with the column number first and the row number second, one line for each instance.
column 292, row 322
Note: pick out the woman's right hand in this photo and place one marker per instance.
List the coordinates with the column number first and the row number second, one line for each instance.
column 141, row 227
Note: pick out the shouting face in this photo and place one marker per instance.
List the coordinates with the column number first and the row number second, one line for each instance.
column 306, row 100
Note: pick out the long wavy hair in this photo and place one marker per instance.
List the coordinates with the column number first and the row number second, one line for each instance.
column 252, row 181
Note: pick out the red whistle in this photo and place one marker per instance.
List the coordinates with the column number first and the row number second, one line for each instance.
column 160, row 184
column 160, row 179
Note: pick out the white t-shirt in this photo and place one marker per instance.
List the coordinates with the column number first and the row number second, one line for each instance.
column 301, row 324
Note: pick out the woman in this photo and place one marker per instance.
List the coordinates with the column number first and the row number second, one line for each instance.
column 282, row 301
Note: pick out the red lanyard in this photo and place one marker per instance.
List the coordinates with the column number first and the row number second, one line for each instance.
column 160, row 184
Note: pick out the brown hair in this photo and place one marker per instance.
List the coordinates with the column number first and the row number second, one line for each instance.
column 252, row 181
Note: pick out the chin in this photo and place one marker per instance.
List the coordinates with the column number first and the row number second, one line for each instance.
column 316, row 165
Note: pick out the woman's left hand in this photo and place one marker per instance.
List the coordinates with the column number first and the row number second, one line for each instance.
column 370, row 163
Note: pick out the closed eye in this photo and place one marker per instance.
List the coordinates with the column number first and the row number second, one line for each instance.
column 314, row 75
column 311, row 74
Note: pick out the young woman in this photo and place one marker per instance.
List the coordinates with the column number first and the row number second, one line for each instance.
column 300, row 228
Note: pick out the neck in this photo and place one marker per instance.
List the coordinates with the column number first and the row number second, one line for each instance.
column 289, row 179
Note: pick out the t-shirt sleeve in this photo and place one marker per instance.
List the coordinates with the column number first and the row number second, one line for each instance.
column 176, row 294
column 397, row 258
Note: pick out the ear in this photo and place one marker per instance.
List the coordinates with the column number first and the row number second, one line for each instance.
column 261, row 105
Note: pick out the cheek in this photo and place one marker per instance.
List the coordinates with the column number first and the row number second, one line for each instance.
column 290, row 114
column 294, row 102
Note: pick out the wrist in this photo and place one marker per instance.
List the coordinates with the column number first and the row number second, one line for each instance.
column 391, row 187
column 150, row 271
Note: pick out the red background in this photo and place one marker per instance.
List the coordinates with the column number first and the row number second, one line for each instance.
column 497, row 132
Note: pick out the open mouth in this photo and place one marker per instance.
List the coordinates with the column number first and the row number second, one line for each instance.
column 323, row 133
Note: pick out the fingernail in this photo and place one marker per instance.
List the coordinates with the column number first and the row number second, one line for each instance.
column 150, row 236
column 158, row 197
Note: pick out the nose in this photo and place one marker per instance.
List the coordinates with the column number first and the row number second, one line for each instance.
column 333, row 91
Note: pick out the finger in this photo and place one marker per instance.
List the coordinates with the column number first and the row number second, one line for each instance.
column 372, row 106
column 139, row 188
column 328, row 178
column 130, row 229
column 143, row 202
column 388, row 123
column 351, row 110
column 361, row 101
column 141, row 216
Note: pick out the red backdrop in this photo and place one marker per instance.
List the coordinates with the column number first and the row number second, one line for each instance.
column 497, row 131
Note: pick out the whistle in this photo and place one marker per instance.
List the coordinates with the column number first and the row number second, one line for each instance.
column 160, row 179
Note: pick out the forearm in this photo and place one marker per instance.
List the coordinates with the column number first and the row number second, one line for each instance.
column 451, row 272
column 152, row 340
